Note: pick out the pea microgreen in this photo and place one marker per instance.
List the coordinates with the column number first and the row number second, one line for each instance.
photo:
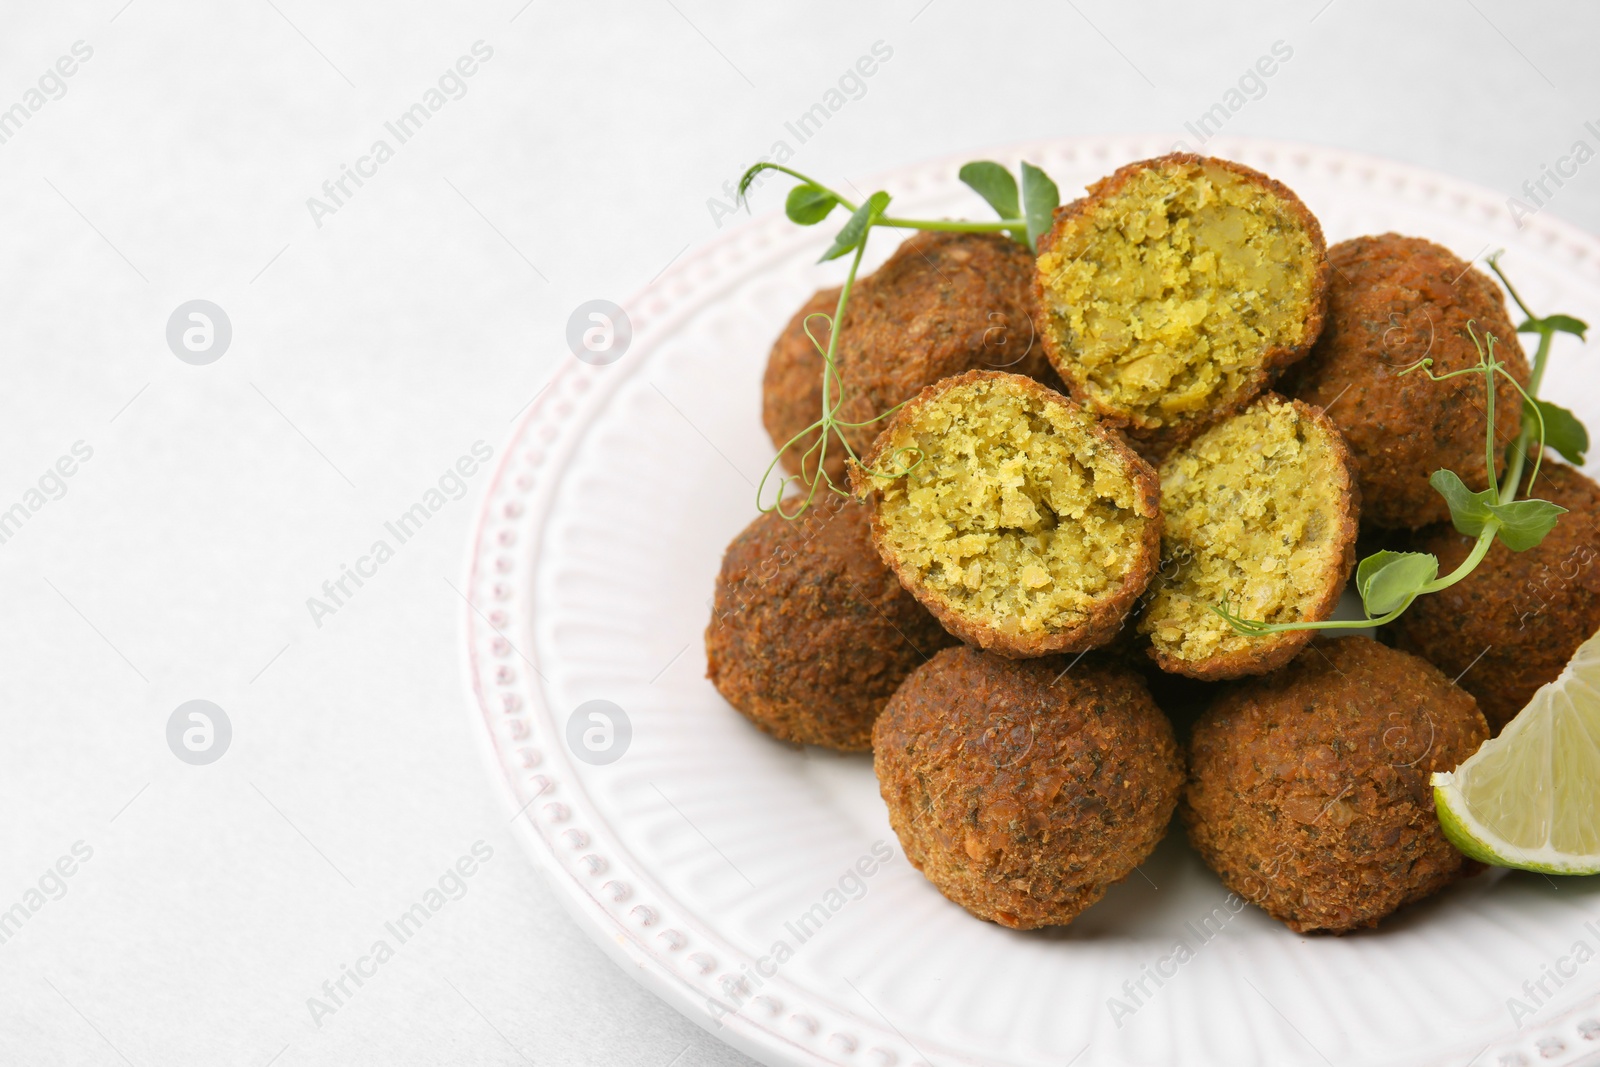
column 854, row 234
column 995, row 184
column 1387, row 581
column 811, row 202
column 1040, row 198
column 1562, row 431
column 1386, row 578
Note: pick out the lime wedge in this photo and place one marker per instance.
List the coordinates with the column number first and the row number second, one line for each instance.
column 1530, row 798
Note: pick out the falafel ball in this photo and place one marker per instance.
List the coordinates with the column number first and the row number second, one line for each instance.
column 1259, row 513
column 942, row 304
column 810, row 633
column 1023, row 790
column 1394, row 300
column 1176, row 291
column 1308, row 788
column 1511, row 625
column 1025, row 526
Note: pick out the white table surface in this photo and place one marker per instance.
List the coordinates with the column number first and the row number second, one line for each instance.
column 371, row 352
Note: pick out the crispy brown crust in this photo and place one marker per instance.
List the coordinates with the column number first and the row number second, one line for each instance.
column 1273, row 651
column 1109, row 612
column 1308, row 788
column 1155, row 442
column 1023, row 790
column 943, row 303
column 810, row 633
column 1394, row 300
column 1511, row 625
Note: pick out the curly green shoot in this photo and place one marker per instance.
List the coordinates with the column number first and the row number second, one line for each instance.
column 828, row 427
column 1389, row 582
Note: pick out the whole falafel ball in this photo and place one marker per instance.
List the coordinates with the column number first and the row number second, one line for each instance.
column 1392, row 301
column 810, row 633
column 1024, row 789
column 942, row 304
column 1024, row 525
column 1308, row 788
column 1176, row 291
column 1511, row 625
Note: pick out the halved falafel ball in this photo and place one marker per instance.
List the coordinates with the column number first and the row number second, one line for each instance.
column 1024, row 789
column 1176, row 290
column 1511, row 625
column 810, row 633
column 942, row 304
column 1023, row 525
column 1259, row 513
column 1394, row 300
column 1308, row 788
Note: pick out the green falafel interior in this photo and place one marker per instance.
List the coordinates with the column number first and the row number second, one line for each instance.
column 1020, row 514
column 1258, row 512
column 1169, row 289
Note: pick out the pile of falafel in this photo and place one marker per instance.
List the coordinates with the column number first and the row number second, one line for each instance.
column 1186, row 399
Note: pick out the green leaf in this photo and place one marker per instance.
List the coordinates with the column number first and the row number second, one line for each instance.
column 855, row 230
column 1555, row 324
column 1562, row 430
column 1525, row 522
column 995, row 184
column 1040, row 198
column 809, row 204
column 1387, row 579
column 1468, row 510
column 1567, row 324
column 1369, row 566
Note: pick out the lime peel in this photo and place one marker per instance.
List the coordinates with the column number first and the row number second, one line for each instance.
column 1530, row 798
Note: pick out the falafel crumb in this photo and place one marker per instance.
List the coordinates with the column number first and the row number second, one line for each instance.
column 1170, row 293
column 1254, row 516
column 1018, row 515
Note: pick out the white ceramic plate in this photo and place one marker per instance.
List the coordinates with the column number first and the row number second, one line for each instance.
column 694, row 855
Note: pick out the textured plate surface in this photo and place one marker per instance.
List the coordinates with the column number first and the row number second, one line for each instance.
column 725, row 869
